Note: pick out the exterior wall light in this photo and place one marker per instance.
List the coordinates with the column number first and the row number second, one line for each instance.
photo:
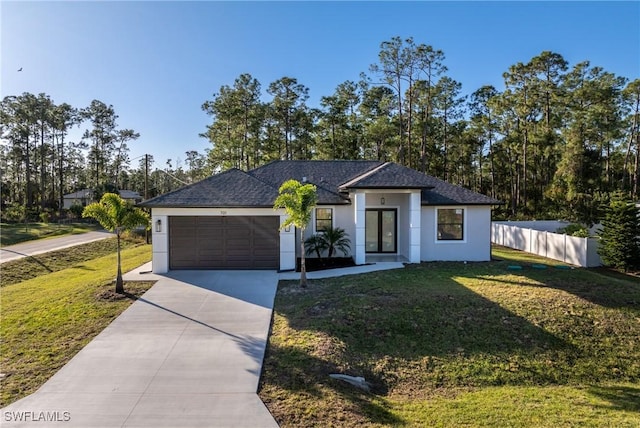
column 159, row 225
column 382, row 201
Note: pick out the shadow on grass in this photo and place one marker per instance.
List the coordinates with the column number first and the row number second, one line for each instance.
column 295, row 370
column 598, row 286
column 30, row 259
column 620, row 397
column 423, row 316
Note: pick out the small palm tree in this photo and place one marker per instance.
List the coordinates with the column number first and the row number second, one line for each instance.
column 315, row 244
column 116, row 215
column 298, row 201
column 336, row 240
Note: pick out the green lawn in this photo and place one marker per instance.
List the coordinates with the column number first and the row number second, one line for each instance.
column 46, row 320
column 42, row 264
column 452, row 344
column 15, row 233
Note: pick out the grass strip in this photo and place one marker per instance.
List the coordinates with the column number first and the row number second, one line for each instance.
column 16, row 233
column 47, row 320
column 20, row 270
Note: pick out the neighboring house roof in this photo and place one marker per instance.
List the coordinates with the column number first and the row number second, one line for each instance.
column 129, row 194
column 259, row 187
column 80, row 194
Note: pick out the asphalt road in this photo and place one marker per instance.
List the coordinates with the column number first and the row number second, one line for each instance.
column 31, row 248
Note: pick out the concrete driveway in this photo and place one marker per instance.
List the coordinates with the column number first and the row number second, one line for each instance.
column 39, row 246
column 187, row 354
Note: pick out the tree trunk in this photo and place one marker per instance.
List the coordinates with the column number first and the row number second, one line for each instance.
column 61, row 176
column 303, row 267
column 119, row 283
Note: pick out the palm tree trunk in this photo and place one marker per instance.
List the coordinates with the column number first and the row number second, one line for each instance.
column 303, row 268
column 119, row 283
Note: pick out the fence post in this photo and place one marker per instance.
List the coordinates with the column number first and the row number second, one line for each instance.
column 546, row 243
column 564, row 256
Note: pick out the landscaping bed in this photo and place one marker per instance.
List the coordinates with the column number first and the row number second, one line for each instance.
column 314, row 264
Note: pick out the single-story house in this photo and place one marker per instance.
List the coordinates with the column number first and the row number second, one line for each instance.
column 85, row 197
column 130, row 195
column 390, row 212
column 81, row 197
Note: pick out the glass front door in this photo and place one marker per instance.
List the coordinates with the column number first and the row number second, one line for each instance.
column 381, row 230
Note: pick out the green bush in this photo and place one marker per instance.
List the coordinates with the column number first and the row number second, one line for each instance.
column 619, row 237
column 14, row 213
column 76, row 210
column 574, row 229
column 45, row 217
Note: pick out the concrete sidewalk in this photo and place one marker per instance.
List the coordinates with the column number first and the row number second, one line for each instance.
column 354, row 270
column 187, row 354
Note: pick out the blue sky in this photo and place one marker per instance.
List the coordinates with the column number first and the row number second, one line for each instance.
column 157, row 62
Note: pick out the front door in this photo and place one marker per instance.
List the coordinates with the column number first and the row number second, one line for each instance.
column 381, row 229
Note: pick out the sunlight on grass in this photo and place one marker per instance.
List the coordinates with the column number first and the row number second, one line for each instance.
column 48, row 319
column 552, row 406
column 11, row 234
column 452, row 344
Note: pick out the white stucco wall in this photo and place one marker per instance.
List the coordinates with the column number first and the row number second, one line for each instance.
column 342, row 217
column 476, row 245
column 160, row 247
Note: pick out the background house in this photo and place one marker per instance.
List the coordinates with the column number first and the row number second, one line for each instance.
column 86, row 196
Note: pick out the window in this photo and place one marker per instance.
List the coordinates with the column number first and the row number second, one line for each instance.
column 450, row 224
column 324, row 219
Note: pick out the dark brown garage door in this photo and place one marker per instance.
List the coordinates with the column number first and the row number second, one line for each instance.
column 247, row 242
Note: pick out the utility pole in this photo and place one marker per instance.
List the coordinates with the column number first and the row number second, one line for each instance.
column 146, row 176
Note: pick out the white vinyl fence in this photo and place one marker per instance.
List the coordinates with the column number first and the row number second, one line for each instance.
column 569, row 249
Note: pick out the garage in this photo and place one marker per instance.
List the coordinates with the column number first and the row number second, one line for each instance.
column 224, row 242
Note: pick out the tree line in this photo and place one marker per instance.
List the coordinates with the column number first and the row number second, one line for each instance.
column 557, row 141
column 40, row 163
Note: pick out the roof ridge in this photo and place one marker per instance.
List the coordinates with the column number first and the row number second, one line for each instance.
column 363, row 175
column 249, row 173
column 195, row 183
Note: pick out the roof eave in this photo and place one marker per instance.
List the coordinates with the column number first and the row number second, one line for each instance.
column 386, row 187
column 201, row 206
column 433, row 204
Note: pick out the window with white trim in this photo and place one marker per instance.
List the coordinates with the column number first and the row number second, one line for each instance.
column 450, row 224
column 324, row 219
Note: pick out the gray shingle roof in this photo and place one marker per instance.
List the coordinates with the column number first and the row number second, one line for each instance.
column 259, row 187
column 389, row 176
column 328, row 174
column 444, row 193
column 232, row 188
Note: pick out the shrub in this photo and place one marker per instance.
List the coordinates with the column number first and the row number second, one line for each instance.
column 15, row 213
column 619, row 237
column 76, row 210
column 45, row 217
column 315, row 244
column 331, row 240
column 574, row 229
